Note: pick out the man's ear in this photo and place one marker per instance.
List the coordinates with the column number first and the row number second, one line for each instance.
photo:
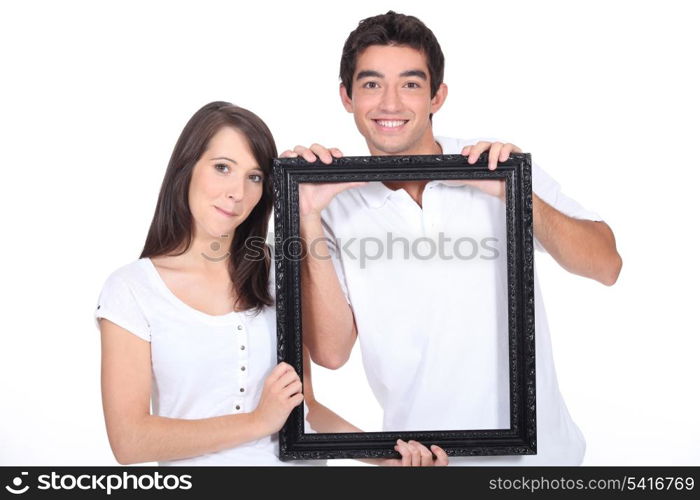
column 347, row 102
column 439, row 99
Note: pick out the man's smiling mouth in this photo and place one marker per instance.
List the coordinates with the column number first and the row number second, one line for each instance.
column 390, row 123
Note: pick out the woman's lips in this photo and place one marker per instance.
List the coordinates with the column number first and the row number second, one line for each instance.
column 224, row 212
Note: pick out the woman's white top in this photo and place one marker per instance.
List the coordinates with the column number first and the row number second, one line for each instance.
column 203, row 365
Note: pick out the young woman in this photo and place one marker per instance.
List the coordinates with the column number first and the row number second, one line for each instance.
column 189, row 327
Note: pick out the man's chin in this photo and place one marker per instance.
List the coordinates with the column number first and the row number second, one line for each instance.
column 387, row 148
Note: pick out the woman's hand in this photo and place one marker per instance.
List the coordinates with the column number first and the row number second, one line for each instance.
column 415, row 454
column 281, row 394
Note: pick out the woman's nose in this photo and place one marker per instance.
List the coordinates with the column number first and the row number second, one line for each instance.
column 236, row 191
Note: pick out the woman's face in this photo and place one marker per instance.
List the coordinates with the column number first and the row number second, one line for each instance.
column 226, row 184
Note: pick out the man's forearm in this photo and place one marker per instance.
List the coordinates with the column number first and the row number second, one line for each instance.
column 328, row 323
column 582, row 247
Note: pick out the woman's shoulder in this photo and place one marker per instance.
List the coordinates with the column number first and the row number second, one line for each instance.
column 135, row 273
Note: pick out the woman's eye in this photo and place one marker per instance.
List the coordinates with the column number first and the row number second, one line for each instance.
column 221, row 167
column 256, row 177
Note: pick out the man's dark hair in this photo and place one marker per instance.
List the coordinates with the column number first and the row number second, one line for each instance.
column 392, row 29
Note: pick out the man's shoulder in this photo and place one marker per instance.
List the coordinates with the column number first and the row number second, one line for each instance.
column 454, row 145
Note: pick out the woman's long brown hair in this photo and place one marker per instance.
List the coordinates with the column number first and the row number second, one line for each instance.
column 172, row 225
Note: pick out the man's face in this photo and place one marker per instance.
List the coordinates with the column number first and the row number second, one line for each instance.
column 391, row 100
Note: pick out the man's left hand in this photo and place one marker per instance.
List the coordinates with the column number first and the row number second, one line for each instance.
column 498, row 152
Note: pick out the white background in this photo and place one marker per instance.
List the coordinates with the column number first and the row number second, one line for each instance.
column 603, row 94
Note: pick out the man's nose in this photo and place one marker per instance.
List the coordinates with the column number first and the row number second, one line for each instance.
column 390, row 100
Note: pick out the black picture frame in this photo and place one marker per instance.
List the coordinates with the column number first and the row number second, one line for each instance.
column 521, row 437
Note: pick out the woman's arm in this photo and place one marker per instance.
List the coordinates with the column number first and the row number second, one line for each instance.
column 137, row 436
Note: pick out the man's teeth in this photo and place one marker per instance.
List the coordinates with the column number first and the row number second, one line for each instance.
column 391, row 123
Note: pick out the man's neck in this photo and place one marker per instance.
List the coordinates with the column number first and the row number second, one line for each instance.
column 415, row 188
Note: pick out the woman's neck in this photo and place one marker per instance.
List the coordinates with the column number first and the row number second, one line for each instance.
column 206, row 255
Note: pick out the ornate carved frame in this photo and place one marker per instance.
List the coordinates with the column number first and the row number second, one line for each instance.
column 521, row 437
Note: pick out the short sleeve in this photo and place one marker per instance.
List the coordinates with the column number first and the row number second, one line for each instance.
column 118, row 304
column 335, row 258
column 549, row 190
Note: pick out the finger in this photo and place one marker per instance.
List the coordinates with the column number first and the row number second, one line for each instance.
column 402, row 448
column 295, row 401
column 305, row 153
column 292, row 389
column 476, row 151
column 426, row 457
column 505, row 152
column 415, row 453
column 493, row 154
column 323, row 153
column 288, row 154
column 440, row 455
column 286, row 379
column 336, row 152
column 466, row 150
column 278, row 371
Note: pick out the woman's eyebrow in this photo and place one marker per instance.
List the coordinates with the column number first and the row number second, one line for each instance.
column 225, row 158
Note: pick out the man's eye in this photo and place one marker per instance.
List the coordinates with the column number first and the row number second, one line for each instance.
column 255, row 177
column 370, row 85
column 412, row 85
column 221, row 167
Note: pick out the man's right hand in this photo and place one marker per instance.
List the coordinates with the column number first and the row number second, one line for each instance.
column 311, row 154
column 314, row 197
column 415, row 454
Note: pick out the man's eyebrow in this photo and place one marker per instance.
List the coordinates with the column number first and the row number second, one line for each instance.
column 225, row 158
column 369, row 73
column 414, row 72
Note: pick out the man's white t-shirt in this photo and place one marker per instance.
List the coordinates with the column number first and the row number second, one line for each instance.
column 203, row 365
column 428, row 289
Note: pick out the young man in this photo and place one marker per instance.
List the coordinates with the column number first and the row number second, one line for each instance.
column 432, row 334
